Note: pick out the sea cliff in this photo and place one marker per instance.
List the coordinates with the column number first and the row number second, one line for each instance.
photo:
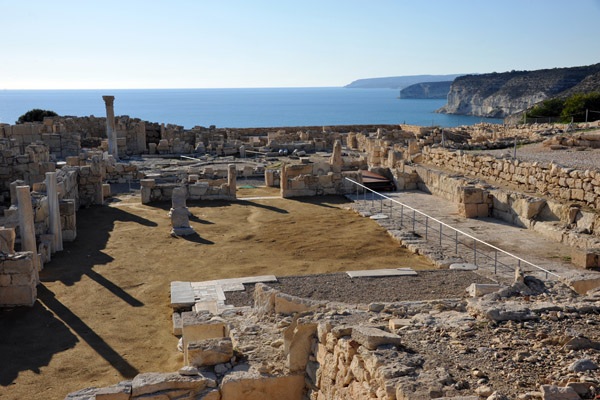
column 426, row 90
column 498, row 95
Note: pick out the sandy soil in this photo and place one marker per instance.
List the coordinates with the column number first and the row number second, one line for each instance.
column 103, row 312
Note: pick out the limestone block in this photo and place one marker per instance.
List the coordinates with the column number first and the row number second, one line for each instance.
column 587, row 258
column 198, row 189
column 480, row 289
column 209, row 351
column 468, row 210
column 7, row 240
column 155, row 382
column 242, row 385
column 471, row 195
column 197, row 327
column 287, row 304
column 373, row 337
column 552, row 392
column 264, row 298
column 105, row 190
column 18, row 295
column 146, row 194
column 209, row 394
column 177, row 324
column 297, row 343
column 120, row 391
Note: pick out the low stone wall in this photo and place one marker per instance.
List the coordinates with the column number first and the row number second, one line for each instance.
column 18, row 280
column 560, row 183
column 556, row 220
column 315, row 179
column 218, row 189
column 576, row 139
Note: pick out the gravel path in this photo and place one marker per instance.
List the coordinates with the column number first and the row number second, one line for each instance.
column 536, row 152
column 427, row 285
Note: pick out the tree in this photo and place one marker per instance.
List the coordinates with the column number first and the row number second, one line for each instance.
column 576, row 105
column 35, row 115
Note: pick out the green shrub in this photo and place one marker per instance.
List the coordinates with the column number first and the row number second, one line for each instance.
column 35, row 115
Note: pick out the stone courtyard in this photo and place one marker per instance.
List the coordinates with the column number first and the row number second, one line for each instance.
column 147, row 261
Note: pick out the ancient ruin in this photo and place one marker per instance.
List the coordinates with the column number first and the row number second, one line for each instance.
column 508, row 213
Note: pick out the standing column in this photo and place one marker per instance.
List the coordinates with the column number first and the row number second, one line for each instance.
column 232, row 179
column 26, row 226
column 54, row 210
column 111, row 131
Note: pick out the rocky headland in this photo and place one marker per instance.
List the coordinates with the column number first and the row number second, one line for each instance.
column 426, row 90
column 498, row 95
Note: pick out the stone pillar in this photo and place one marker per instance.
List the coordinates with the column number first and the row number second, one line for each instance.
column 111, row 131
column 242, row 151
column 180, row 222
column 232, row 179
column 336, row 160
column 26, row 225
column 54, row 211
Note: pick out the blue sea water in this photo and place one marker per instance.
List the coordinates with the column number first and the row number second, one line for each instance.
column 239, row 108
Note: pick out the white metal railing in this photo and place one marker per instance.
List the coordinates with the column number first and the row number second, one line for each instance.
column 429, row 227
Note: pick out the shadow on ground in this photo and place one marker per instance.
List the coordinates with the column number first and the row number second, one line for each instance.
column 24, row 334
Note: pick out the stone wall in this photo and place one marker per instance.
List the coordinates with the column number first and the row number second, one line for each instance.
column 315, row 179
column 560, row 183
column 217, row 189
column 29, row 165
column 557, row 220
column 18, row 280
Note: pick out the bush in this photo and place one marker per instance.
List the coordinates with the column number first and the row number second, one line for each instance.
column 548, row 108
column 576, row 105
column 36, row 115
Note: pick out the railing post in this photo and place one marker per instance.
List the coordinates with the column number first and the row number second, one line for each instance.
column 426, row 226
column 495, row 261
column 391, row 209
column 414, row 217
column 440, row 234
column 474, row 251
column 381, row 205
column 456, row 242
column 372, row 199
column 401, row 214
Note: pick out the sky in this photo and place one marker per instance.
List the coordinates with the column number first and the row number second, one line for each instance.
column 130, row 44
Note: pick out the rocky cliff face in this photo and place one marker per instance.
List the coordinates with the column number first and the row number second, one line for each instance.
column 497, row 95
column 426, row 90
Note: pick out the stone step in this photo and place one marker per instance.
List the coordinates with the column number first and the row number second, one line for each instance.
column 382, row 272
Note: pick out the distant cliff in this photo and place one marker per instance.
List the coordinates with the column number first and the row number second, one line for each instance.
column 426, row 90
column 399, row 82
column 498, row 95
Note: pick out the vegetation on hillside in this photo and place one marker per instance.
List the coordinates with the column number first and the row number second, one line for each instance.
column 574, row 106
column 35, row 115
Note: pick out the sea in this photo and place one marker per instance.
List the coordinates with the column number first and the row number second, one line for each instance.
column 240, row 108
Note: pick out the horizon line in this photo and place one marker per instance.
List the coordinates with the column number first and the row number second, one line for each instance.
column 187, row 88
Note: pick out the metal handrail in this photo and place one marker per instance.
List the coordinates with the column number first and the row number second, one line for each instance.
column 454, row 229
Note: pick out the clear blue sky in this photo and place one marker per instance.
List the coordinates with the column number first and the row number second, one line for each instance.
column 254, row 43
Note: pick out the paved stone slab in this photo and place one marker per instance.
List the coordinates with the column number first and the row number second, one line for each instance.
column 259, row 198
column 379, row 216
column 381, row 272
column 235, row 284
column 463, row 267
column 182, row 295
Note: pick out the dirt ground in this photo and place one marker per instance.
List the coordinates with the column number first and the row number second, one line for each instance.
column 103, row 314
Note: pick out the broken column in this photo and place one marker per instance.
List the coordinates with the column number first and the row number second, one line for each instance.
column 26, row 225
column 7, row 240
column 111, row 132
column 180, row 221
column 54, row 211
column 336, row 160
column 232, row 179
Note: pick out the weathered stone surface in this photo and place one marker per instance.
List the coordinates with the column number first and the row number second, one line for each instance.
column 209, row 351
column 552, row 392
column 155, row 382
column 120, row 391
column 373, row 337
column 252, row 386
column 585, row 364
column 480, row 289
column 297, row 343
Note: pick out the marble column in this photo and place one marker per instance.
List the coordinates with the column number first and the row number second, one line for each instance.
column 111, row 131
column 26, row 224
column 232, row 179
column 54, row 211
